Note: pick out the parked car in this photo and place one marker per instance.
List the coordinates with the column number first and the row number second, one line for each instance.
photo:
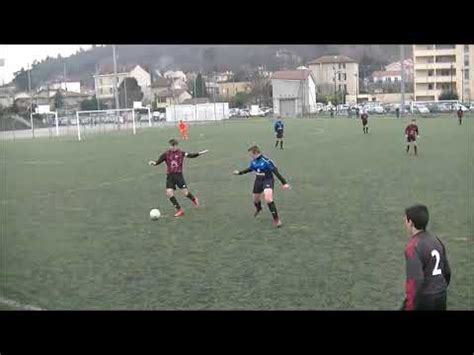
column 63, row 121
column 233, row 112
column 376, row 109
column 420, row 109
column 244, row 112
column 328, row 108
column 462, row 107
column 256, row 111
column 267, row 110
column 471, row 108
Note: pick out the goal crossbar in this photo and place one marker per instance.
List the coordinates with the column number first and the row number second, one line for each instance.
column 112, row 111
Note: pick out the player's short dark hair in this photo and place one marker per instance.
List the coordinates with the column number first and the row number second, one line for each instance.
column 173, row 142
column 254, row 149
column 419, row 215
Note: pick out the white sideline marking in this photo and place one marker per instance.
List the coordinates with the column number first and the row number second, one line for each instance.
column 318, row 131
column 43, row 162
column 15, row 304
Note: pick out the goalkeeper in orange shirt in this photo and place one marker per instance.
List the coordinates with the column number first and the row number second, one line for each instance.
column 183, row 130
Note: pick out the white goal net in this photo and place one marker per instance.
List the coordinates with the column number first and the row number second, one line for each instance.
column 103, row 121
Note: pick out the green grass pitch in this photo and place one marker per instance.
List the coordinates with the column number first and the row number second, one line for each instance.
column 76, row 232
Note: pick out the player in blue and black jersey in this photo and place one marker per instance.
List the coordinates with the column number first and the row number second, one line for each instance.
column 279, row 127
column 264, row 182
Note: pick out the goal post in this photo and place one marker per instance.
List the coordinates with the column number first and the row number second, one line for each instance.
column 44, row 110
column 101, row 121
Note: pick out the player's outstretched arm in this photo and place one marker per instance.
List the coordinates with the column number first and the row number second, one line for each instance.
column 242, row 172
column 283, row 181
column 157, row 162
column 195, row 155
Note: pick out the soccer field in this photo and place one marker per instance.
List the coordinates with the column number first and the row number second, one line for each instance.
column 76, row 232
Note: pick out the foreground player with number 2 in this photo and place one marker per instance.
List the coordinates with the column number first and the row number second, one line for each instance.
column 264, row 181
column 427, row 268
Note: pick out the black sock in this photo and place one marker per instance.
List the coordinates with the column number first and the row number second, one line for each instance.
column 190, row 196
column 281, row 144
column 175, row 203
column 258, row 205
column 276, row 144
column 408, row 148
column 273, row 209
column 416, row 150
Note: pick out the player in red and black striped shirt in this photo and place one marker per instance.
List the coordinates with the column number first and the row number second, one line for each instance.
column 174, row 159
column 411, row 133
column 365, row 121
column 427, row 268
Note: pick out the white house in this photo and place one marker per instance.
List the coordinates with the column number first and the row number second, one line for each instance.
column 105, row 82
column 70, row 86
column 387, row 76
column 294, row 92
column 408, row 65
column 177, row 79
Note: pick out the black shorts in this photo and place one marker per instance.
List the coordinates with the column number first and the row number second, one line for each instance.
column 261, row 184
column 432, row 302
column 175, row 179
column 279, row 134
column 411, row 139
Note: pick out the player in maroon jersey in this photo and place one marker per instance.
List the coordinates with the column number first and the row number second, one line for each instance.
column 411, row 133
column 174, row 159
column 460, row 114
column 365, row 121
column 427, row 269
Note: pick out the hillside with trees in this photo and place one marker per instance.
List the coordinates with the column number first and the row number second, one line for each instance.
column 82, row 65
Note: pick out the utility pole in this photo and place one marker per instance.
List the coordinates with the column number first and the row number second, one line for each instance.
column 29, row 79
column 402, row 72
column 96, row 93
column 117, row 106
column 65, row 89
column 357, row 86
column 125, row 88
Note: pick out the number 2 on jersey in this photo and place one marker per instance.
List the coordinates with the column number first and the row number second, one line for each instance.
column 435, row 253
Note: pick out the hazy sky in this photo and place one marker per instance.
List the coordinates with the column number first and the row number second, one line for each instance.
column 18, row 56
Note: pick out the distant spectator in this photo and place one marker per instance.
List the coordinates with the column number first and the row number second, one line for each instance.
column 460, row 114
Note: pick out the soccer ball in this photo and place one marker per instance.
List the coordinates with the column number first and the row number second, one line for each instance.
column 155, row 214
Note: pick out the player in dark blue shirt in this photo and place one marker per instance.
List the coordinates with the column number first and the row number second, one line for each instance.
column 279, row 127
column 264, row 170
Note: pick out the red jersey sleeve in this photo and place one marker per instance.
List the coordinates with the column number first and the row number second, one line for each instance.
column 414, row 275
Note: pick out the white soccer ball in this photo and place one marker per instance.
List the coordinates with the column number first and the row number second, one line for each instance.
column 155, row 214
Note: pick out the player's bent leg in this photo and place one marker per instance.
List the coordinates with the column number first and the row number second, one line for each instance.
column 174, row 201
column 169, row 193
column 189, row 195
column 268, row 193
column 257, row 203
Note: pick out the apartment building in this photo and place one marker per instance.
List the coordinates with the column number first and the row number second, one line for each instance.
column 443, row 69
